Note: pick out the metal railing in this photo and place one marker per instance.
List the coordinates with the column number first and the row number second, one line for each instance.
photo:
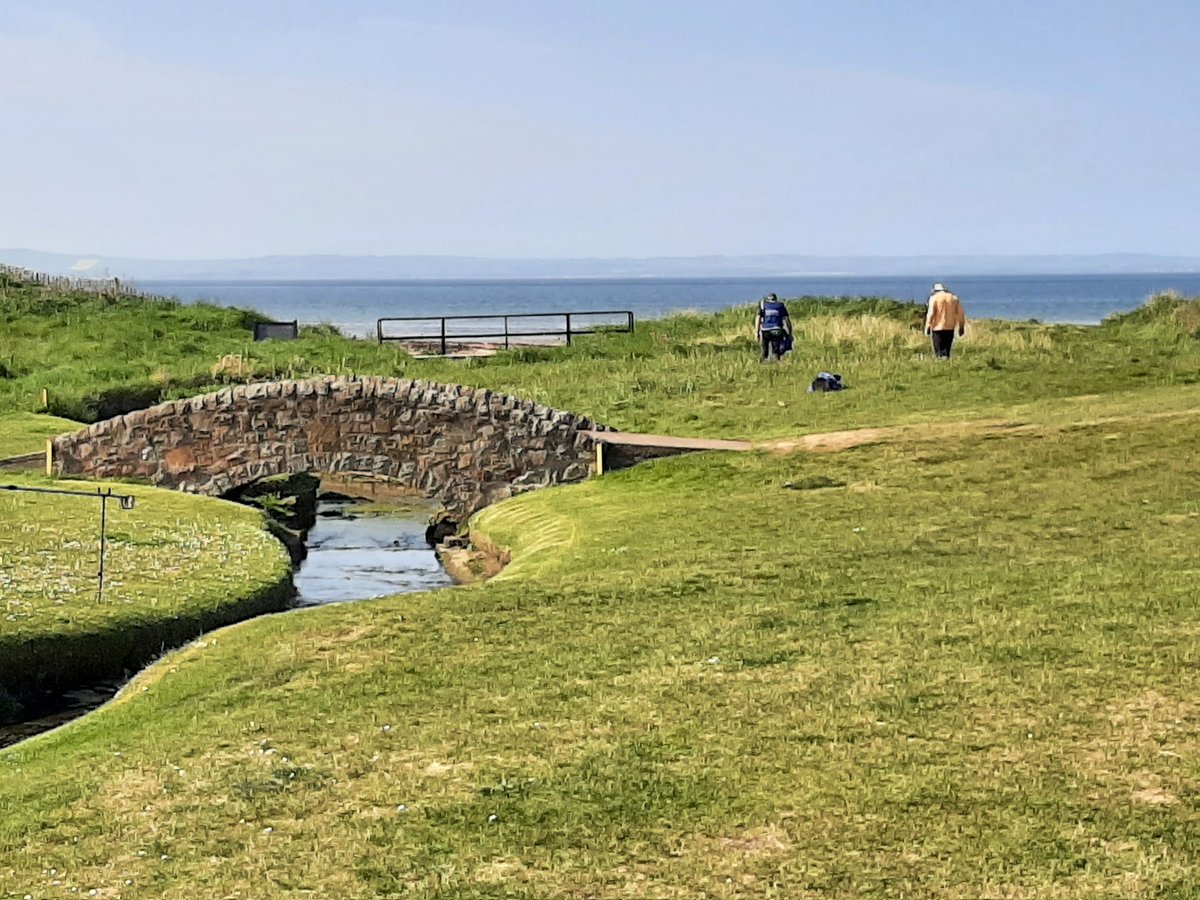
column 574, row 324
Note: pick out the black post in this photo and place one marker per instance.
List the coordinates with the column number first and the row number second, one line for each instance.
column 443, row 335
column 568, row 329
column 103, row 527
column 506, row 332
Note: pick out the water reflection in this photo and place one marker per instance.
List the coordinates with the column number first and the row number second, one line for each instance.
column 358, row 551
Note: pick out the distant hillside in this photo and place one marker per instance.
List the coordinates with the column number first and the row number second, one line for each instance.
column 285, row 268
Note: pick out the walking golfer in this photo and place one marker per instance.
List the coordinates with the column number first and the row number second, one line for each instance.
column 944, row 315
column 773, row 327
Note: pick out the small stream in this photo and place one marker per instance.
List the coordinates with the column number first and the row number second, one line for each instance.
column 356, row 551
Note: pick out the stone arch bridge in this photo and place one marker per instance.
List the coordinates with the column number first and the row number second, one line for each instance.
column 464, row 447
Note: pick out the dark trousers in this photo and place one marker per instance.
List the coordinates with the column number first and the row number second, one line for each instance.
column 942, row 342
column 771, row 343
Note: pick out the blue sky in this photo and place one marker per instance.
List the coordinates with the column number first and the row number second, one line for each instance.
column 612, row 128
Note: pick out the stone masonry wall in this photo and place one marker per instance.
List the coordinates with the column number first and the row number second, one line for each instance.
column 464, row 447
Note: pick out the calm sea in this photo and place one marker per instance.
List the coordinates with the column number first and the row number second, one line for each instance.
column 354, row 306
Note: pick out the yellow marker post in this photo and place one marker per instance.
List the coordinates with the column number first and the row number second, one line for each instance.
column 45, row 399
column 599, row 458
column 49, row 456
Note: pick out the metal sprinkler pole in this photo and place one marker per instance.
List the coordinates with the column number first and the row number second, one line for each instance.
column 127, row 502
column 103, row 543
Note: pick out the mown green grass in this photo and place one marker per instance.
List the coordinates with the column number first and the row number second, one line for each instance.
column 25, row 432
column 955, row 667
column 175, row 557
column 960, row 662
column 164, row 553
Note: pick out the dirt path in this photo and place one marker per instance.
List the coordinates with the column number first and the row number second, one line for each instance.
column 829, row 441
column 833, row 441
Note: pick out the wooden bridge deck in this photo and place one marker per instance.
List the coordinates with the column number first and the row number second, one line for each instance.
column 666, row 442
column 33, row 461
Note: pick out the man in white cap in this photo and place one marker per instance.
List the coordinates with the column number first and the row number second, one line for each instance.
column 943, row 315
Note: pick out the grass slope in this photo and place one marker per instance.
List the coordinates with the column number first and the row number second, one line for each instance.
column 23, row 432
column 958, row 662
column 167, row 574
column 687, row 374
column 960, row 666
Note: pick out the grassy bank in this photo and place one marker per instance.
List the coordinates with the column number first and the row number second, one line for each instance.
column 175, row 565
column 689, row 375
column 26, row 432
column 957, row 661
column 101, row 356
column 952, row 667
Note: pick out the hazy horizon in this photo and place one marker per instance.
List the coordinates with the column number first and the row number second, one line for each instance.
column 449, row 267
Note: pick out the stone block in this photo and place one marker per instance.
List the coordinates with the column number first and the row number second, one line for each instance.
column 463, row 444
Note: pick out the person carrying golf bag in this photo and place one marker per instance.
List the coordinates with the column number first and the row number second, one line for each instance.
column 773, row 327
